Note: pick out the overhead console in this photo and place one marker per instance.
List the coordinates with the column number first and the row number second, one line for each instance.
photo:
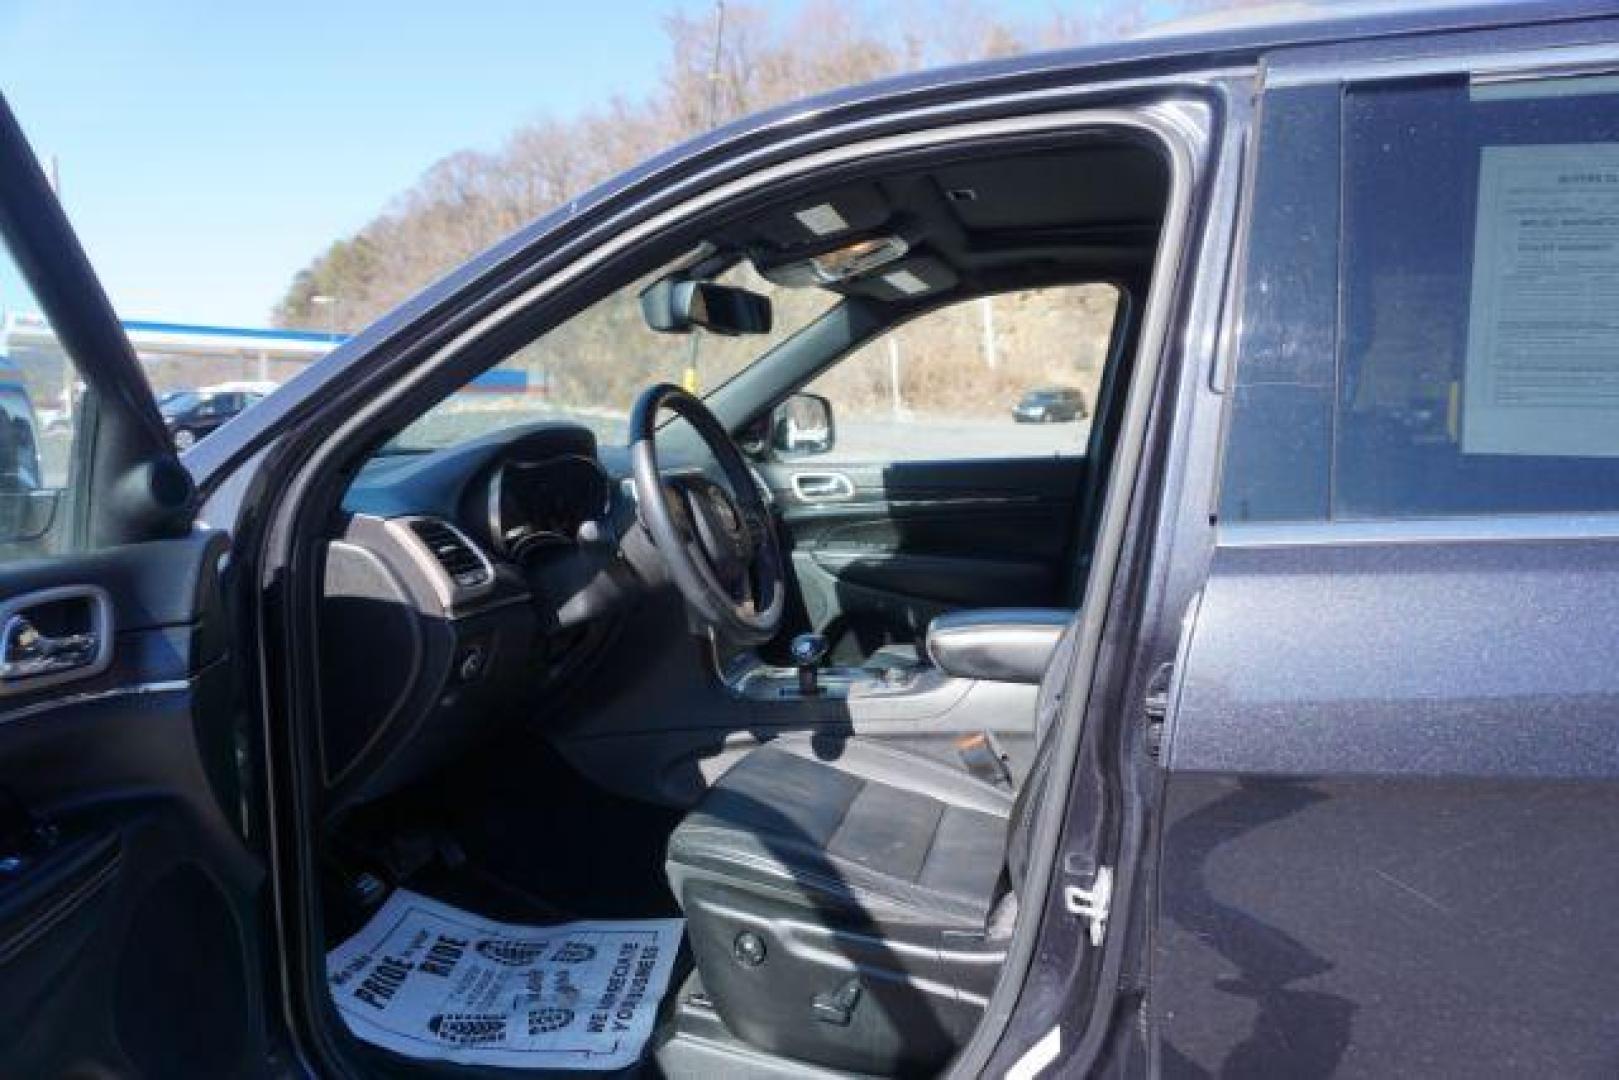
column 969, row 226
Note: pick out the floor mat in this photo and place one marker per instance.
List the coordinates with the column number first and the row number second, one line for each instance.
column 431, row 981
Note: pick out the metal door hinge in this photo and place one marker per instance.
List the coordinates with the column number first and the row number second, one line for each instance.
column 1092, row 904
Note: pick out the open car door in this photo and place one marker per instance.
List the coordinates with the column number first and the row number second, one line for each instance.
column 130, row 922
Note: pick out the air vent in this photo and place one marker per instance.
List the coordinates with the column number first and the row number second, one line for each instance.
column 453, row 552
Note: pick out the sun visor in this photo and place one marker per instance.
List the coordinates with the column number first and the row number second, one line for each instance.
column 909, row 279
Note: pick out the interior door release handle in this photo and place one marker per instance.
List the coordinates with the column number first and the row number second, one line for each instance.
column 822, row 486
column 25, row 652
column 54, row 634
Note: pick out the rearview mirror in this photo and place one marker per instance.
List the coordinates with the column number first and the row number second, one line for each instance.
column 802, row 426
column 673, row 306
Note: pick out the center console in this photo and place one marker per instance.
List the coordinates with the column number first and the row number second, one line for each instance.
column 994, row 645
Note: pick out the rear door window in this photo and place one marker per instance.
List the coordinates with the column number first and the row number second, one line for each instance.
column 1479, row 352
column 1456, row 352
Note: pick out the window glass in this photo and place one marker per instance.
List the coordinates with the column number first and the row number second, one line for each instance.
column 1479, row 345
column 1014, row 375
column 590, row 369
column 40, row 395
column 1279, row 440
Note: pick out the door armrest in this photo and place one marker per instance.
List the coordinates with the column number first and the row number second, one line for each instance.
column 998, row 644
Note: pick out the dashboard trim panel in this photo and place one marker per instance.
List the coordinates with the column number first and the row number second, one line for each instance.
column 450, row 594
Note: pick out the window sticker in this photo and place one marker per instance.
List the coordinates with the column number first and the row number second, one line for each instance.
column 1542, row 366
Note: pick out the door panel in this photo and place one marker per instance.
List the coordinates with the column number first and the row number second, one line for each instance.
column 128, row 902
column 130, row 915
column 1390, row 779
column 912, row 540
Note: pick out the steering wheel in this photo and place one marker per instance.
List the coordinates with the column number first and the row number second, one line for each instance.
column 717, row 539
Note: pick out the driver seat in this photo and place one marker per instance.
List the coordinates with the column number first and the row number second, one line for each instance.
column 849, row 903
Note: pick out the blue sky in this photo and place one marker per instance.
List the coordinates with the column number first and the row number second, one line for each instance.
column 208, row 150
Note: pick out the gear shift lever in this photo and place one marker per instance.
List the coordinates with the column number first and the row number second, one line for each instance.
column 808, row 651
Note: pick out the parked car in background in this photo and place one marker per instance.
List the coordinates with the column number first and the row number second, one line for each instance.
column 21, row 474
column 190, row 415
column 1050, row 405
column 19, row 433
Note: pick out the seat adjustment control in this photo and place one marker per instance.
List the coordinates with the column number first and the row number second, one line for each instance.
column 749, row 949
column 837, row 1006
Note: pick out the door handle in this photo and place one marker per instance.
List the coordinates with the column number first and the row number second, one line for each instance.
column 25, row 652
column 822, row 486
column 54, row 635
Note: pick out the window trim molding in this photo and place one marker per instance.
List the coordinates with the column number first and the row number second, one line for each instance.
column 1471, row 528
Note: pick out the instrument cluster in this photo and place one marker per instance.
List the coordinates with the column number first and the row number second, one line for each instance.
column 552, row 503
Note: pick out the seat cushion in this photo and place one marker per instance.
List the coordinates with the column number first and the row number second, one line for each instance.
column 850, row 826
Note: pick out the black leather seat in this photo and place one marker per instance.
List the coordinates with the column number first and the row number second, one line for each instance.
column 853, row 829
column 849, row 903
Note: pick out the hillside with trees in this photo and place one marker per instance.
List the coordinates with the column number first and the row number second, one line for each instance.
column 472, row 198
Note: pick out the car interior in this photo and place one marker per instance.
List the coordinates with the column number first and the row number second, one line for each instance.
column 694, row 674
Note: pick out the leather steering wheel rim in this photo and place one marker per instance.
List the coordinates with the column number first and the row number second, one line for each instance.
column 720, row 546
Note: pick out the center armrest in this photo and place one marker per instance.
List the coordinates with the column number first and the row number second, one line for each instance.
column 999, row 644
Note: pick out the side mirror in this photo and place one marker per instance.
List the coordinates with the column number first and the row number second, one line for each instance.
column 673, row 306
column 802, row 426
column 26, row 516
column 27, row 507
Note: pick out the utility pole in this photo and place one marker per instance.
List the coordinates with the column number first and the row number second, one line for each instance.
column 987, row 307
column 69, row 373
column 690, row 380
column 714, row 65
column 896, row 403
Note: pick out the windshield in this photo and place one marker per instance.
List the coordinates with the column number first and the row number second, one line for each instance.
column 590, row 369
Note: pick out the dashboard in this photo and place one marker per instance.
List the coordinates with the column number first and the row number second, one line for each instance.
column 461, row 586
